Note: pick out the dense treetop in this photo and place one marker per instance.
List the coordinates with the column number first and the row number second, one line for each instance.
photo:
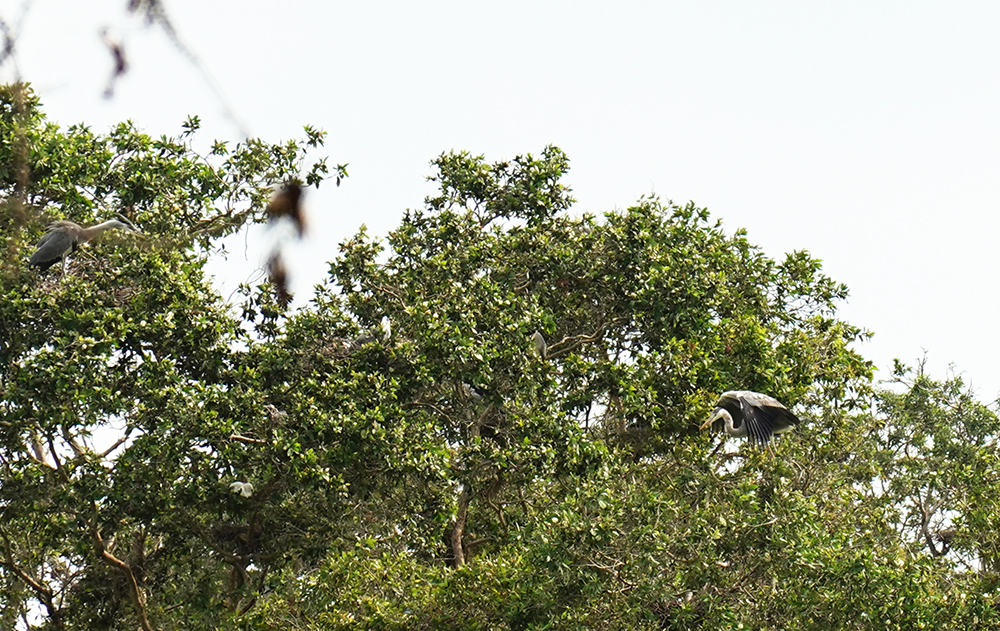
column 394, row 455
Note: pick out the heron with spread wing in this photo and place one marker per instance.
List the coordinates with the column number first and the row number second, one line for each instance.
column 753, row 415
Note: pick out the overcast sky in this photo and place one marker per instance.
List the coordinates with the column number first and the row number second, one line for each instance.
column 864, row 132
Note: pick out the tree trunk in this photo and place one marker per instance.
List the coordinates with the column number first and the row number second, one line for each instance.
column 458, row 530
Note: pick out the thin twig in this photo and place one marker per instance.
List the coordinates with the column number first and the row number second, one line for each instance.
column 118, row 443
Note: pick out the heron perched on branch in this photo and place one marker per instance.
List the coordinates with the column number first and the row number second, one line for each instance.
column 751, row 414
column 540, row 348
column 63, row 237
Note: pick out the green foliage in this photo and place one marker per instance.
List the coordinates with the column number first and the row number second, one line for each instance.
column 939, row 468
column 170, row 461
column 132, row 345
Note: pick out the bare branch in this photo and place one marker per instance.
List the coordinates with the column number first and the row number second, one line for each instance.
column 458, row 529
column 118, row 443
column 248, row 440
column 138, row 599
column 43, row 593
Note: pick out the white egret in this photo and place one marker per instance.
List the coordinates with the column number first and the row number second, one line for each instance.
column 243, row 488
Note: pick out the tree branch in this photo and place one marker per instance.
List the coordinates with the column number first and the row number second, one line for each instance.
column 118, row 443
column 248, row 440
column 457, row 553
column 137, row 598
column 44, row 594
column 55, row 454
column 927, row 511
column 614, row 570
column 573, row 342
column 37, row 452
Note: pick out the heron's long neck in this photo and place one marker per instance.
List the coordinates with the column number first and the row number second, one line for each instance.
column 87, row 234
column 728, row 418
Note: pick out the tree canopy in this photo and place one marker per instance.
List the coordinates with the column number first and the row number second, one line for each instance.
column 395, row 455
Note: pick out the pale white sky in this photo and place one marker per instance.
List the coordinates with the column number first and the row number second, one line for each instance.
column 867, row 133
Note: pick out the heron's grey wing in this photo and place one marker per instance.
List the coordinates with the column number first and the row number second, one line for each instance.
column 756, row 399
column 754, row 422
column 783, row 420
column 731, row 402
column 472, row 392
column 51, row 248
column 765, row 416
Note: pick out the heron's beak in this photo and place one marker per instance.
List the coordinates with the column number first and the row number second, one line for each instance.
column 714, row 416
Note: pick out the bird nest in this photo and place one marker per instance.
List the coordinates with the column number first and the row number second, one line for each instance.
column 119, row 289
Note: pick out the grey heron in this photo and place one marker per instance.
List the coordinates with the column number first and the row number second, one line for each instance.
column 472, row 393
column 541, row 348
column 63, row 237
column 751, row 414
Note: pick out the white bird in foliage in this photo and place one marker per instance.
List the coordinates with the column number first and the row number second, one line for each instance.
column 540, row 346
column 243, row 488
column 751, row 414
column 472, row 393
